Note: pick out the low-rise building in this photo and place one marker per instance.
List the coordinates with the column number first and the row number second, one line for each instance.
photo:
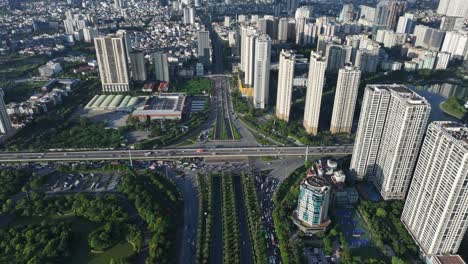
column 161, row 107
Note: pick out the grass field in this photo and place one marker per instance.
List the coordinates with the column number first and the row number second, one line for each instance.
column 235, row 133
column 193, row 86
column 454, row 107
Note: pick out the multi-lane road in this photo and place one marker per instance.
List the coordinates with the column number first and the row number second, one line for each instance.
column 176, row 153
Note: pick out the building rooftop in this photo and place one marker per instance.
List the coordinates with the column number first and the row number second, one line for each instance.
column 315, row 181
column 457, row 130
column 401, row 91
column 452, row 259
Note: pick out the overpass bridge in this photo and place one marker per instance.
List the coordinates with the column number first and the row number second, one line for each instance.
column 176, row 153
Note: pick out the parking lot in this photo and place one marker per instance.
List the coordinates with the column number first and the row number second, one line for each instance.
column 83, row 182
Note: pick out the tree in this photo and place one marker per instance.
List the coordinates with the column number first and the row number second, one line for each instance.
column 327, row 245
column 396, row 260
column 381, row 213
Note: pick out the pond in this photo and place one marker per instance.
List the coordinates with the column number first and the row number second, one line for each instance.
column 436, row 94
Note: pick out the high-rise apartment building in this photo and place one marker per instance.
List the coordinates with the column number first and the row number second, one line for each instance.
column 89, row 33
column 347, row 13
column 387, row 13
column 347, row 87
column 456, row 43
column 428, row 37
column 453, row 8
column 112, row 58
column 291, row 29
column 300, row 24
column 436, row 208
column 285, row 84
column 452, row 23
column 303, row 12
column 69, row 25
column 311, row 31
column 367, row 59
column 272, row 26
column 204, row 47
column 283, row 29
column 337, row 56
column 138, row 66
column 188, row 15
column 161, row 66
column 389, row 38
column 248, row 36
column 406, row 24
column 249, row 59
column 315, row 83
column 442, row 61
column 262, row 71
column 118, row 4
column 391, row 126
column 367, row 13
column 291, row 6
column 5, row 123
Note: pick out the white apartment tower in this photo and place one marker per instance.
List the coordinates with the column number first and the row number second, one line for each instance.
column 315, row 82
column 262, row 71
column 283, row 30
column 285, row 84
column 111, row 53
column 161, row 66
column 5, row 124
column 138, row 66
column 189, row 15
column 405, row 24
column 345, row 99
column 456, row 43
column 89, row 33
column 391, row 127
column 249, row 59
column 453, row 8
column 204, row 47
column 436, row 208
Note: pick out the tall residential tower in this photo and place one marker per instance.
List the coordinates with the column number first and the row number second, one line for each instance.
column 204, row 47
column 161, row 66
column 315, row 82
column 112, row 58
column 391, row 127
column 345, row 99
column 262, row 71
column 285, row 84
column 5, row 124
column 436, row 207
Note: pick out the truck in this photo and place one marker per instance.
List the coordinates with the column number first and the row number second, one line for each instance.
column 148, row 153
column 200, row 150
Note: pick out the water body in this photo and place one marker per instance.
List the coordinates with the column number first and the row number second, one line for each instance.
column 436, row 94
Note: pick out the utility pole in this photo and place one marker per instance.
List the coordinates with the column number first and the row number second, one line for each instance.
column 130, row 157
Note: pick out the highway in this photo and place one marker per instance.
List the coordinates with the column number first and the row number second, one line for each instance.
column 176, row 153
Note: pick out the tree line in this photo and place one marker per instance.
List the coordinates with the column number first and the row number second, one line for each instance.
column 158, row 207
column 254, row 218
column 205, row 218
